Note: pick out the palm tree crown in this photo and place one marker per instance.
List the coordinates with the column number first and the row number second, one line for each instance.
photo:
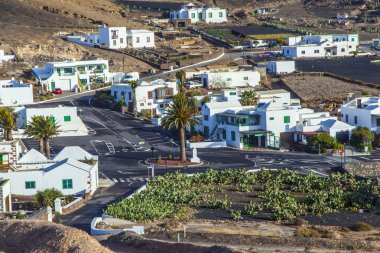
column 249, row 98
column 8, row 121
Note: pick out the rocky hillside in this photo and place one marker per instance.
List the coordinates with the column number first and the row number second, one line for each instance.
column 38, row 236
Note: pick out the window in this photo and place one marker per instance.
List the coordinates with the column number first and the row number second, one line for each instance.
column 229, row 79
column 150, row 94
column 352, row 39
column 205, row 117
column 286, row 119
column 206, row 131
column 210, row 15
column 378, row 122
column 30, row 185
column 287, row 51
column 346, row 118
column 129, row 96
column 141, row 104
column 233, row 137
column 148, row 39
column 271, row 118
column 162, row 106
column 192, row 15
column 68, row 71
column 137, row 39
column 121, row 40
column 356, row 119
column 221, row 14
column 81, row 70
column 114, row 42
column 303, row 52
column 149, row 103
column 224, row 134
column 233, row 93
column 316, row 51
column 67, row 118
column 349, row 46
column 343, row 50
column 67, row 184
column 245, row 78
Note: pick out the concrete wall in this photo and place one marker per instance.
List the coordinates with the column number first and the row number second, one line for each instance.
column 232, row 79
column 211, row 144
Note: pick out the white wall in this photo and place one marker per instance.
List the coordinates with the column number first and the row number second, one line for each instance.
column 15, row 94
column 232, row 79
column 113, row 37
column 5, row 191
column 279, row 67
column 217, row 15
column 140, row 39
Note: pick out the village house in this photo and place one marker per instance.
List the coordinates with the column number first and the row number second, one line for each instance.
column 140, row 39
column 6, row 58
column 199, row 13
column 66, row 117
column 72, row 75
column 73, row 171
column 112, row 37
column 364, row 111
column 336, row 45
column 152, row 97
column 280, row 67
column 14, row 93
column 276, row 121
column 230, row 79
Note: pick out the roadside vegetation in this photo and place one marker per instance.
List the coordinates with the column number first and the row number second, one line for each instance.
column 276, row 195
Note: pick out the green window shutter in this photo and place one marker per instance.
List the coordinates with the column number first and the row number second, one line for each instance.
column 206, row 131
column 271, row 118
column 245, row 78
column 233, row 137
column 30, row 185
column 67, row 184
column 59, row 72
column 286, row 119
column 52, row 119
column 192, row 15
column 221, row 14
column 67, row 118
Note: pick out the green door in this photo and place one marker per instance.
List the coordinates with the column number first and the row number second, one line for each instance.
column 200, row 16
column 206, row 131
column 1, row 158
column 52, row 85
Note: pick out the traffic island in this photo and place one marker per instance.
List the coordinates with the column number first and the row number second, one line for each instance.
column 171, row 162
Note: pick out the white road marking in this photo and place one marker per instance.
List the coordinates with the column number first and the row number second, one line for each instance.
column 121, row 180
column 115, row 180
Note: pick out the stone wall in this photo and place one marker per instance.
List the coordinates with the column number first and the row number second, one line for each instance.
column 363, row 169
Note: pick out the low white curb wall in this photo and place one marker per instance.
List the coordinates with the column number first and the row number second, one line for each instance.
column 207, row 144
column 95, row 231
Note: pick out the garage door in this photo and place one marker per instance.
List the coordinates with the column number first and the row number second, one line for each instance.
column 64, row 84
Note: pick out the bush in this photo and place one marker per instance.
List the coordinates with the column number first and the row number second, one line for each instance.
column 46, row 198
column 362, row 137
column 323, row 141
column 307, row 232
column 361, row 226
column 365, row 93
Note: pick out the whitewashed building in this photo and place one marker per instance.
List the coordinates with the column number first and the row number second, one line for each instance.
column 200, row 13
column 72, row 174
column 112, row 37
column 364, row 111
column 140, row 39
column 281, row 67
column 71, row 75
column 276, row 120
column 14, row 93
column 230, row 79
column 5, row 196
column 5, row 58
column 153, row 97
column 70, row 124
column 336, row 45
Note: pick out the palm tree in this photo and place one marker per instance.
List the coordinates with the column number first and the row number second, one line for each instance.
column 180, row 75
column 43, row 129
column 179, row 114
column 8, row 121
column 249, row 98
column 134, row 85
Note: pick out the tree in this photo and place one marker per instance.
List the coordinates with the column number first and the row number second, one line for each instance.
column 362, row 137
column 43, row 129
column 134, row 85
column 180, row 75
column 218, row 82
column 249, row 98
column 179, row 114
column 8, row 121
column 323, row 141
column 46, row 198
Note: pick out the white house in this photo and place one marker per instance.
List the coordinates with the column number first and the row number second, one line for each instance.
column 5, row 196
column 364, row 111
column 112, row 37
column 272, row 123
column 196, row 13
column 336, row 45
column 6, row 58
column 140, row 38
column 70, row 124
column 281, row 67
column 150, row 96
column 70, row 75
column 229, row 79
column 72, row 173
column 14, row 93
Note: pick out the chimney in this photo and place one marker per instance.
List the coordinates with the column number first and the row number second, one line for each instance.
column 359, row 103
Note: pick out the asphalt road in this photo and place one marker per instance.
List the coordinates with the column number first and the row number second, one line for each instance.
column 123, row 143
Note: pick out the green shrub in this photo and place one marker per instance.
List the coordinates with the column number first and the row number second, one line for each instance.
column 46, row 198
column 304, row 231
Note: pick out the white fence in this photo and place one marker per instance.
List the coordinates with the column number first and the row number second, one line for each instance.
column 207, row 144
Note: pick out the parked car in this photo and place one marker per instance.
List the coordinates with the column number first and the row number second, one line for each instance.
column 133, row 76
column 57, row 91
